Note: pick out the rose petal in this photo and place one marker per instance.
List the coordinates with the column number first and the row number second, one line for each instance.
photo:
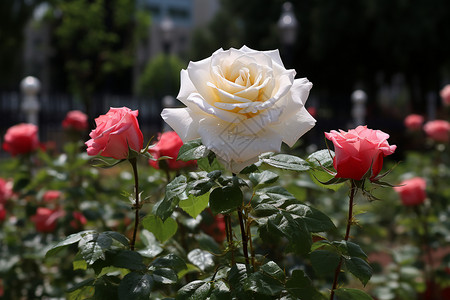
column 183, row 122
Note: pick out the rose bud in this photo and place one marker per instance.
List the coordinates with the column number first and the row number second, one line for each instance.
column 412, row 191
column 437, row 130
column 75, row 120
column 413, row 122
column 169, row 144
column 21, row 139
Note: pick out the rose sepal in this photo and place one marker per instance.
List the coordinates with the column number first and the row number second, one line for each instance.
column 105, row 164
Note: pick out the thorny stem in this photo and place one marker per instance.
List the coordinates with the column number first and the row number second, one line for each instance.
column 244, row 236
column 136, row 191
column 347, row 235
column 229, row 233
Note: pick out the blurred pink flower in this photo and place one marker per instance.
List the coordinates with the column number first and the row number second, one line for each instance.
column 437, row 130
column 76, row 120
column 51, row 195
column 6, row 190
column 412, row 191
column 414, row 122
column 445, row 95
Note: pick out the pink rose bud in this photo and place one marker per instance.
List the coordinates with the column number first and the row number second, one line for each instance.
column 51, row 196
column 359, row 149
column 169, row 144
column 75, row 120
column 412, row 191
column 21, row 139
column 414, row 122
column 445, row 95
column 45, row 219
column 437, row 130
column 115, row 132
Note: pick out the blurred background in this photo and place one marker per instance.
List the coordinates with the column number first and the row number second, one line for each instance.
column 93, row 54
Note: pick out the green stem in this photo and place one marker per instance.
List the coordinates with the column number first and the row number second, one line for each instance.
column 244, row 236
column 347, row 235
column 137, row 204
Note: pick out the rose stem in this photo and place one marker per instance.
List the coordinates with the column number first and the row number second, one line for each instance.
column 229, row 233
column 136, row 191
column 347, row 235
column 249, row 237
column 244, row 236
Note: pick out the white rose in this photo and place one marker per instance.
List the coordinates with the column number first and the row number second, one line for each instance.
column 241, row 103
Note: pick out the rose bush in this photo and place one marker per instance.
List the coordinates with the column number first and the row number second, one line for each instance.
column 75, row 120
column 445, row 95
column 5, row 190
column 241, row 103
column 437, row 130
column 116, row 132
column 169, row 144
column 359, row 149
column 414, row 122
column 21, row 139
column 412, row 191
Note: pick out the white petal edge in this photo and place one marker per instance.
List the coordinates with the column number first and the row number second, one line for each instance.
column 182, row 122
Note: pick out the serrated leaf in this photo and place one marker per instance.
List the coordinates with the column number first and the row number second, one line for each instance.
column 287, row 162
column 351, row 294
column 194, row 205
column 263, row 284
column 324, row 262
column 315, row 220
column 300, row 286
column 200, row 258
column 195, row 290
column 165, row 276
column 174, row 189
column 95, row 247
column 277, row 194
column 321, row 158
column 170, row 261
column 272, row 269
column 135, row 286
column 192, row 150
column 223, row 200
column 265, row 177
column 162, row 230
column 264, row 210
column 350, row 249
column 71, row 239
column 360, row 268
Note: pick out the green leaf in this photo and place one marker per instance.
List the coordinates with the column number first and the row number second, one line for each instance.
column 192, row 150
column 351, row 294
column 194, row 205
column 220, row 291
column 263, row 284
column 324, row 262
column 287, row 162
column 162, row 230
column 223, row 200
column 174, row 189
column 318, row 176
column 236, row 277
column 118, row 237
column 264, row 210
column 165, row 276
column 277, row 194
column 195, row 290
column 136, row 286
column 265, row 177
column 87, row 282
column 170, row 261
column 272, row 269
column 300, row 286
column 152, row 246
column 202, row 259
column 315, row 220
column 95, row 246
column 360, row 268
column 71, row 239
column 128, row 259
column 321, row 158
column 350, row 249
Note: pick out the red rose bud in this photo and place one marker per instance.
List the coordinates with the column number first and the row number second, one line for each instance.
column 51, row 196
column 45, row 219
column 169, row 144
column 75, row 120
column 412, row 191
column 358, row 150
column 116, row 132
column 21, row 139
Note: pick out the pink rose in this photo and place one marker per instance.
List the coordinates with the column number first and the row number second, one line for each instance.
column 45, row 219
column 75, row 120
column 357, row 150
column 445, row 95
column 412, row 191
column 21, row 139
column 115, row 132
column 414, row 122
column 51, row 196
column 169, row 144
column 437, row 130
column 6, row 190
